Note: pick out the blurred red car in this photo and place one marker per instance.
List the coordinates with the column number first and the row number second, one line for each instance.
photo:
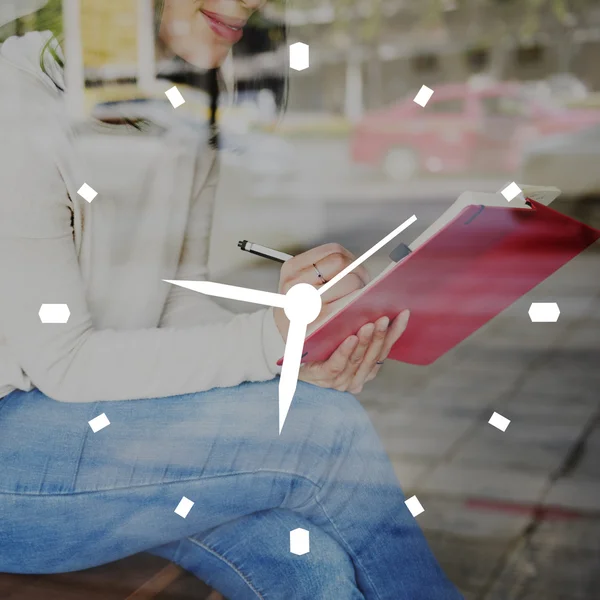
column 462, row 129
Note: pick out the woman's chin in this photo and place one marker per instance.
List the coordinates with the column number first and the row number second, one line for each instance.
column 209, row 59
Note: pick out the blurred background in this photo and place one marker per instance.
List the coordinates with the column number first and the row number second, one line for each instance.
column 513, row 515
column 516, row 98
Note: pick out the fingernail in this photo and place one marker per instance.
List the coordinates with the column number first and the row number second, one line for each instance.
column 368, row 329
column 383, row 324
column 405, row 314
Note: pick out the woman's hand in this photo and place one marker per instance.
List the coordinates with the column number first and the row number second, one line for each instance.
column 358, row 358
column 327, row 260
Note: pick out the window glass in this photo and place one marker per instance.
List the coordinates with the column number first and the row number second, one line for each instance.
column 504, row 106
column 451, row 105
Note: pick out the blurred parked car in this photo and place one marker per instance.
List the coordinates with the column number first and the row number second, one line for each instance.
column 570, row 162
column 463, row 129
column 567, row 88
column 561, row 88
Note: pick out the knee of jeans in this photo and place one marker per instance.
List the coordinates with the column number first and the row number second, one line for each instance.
column 328, row 412
column 325, row 572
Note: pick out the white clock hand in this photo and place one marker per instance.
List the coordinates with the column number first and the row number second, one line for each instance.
column 366, row 255
column 303, row 305
column 233, row 292
column 290, row 368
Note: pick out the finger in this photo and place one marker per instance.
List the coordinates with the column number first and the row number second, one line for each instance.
column 343, row 288
column 374, row 352
column 329, row 269
column 334, row 263
column 374, row 371
column 395, row 331
column 324, row 373
column 348, row 285
column 337, row 362
column 313, row 256
column 365, row 334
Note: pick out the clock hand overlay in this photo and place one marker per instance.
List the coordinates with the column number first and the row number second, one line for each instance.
column 367, row 254
column 233, row 292
column 301, row 304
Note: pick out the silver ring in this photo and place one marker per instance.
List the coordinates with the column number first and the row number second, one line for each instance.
column 319, row 274
column 379, row 362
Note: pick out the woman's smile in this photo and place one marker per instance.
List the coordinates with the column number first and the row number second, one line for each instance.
column 228, row 28
column 214, row 26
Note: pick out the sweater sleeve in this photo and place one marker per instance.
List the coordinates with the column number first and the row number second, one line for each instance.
column 72, row 361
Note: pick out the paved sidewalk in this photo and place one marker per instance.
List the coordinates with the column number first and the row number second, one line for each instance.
column 511, row 515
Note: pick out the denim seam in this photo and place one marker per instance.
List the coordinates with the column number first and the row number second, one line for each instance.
column 349, row 549
column 81, row 446
column 243, row 577
column 133, row 487
column 355, row 558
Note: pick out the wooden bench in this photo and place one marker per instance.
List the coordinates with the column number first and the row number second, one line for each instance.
column 160, row 581
column 140, row 577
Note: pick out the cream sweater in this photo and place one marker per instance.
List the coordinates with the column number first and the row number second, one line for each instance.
column 129, row 335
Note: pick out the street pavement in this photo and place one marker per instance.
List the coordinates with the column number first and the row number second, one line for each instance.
column 511, row 515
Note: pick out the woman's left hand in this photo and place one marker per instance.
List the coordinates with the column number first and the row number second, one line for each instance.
column 359, row 358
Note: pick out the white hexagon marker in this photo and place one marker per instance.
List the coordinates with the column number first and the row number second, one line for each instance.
column 299, row 541
column 184, row 507
column 415, row 507
column 87, row 192
column 499, row 422
column 175, row 97
column 544, row 312
column 54, row 313
column 99, row 423
column 299, row 56
column 423, row 97
column 511, row 191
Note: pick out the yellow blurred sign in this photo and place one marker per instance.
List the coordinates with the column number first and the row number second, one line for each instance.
column 109, row 33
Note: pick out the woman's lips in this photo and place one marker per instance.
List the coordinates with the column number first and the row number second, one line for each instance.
column 232, row 33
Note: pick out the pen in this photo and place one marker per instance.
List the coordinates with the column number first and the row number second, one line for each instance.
column 263, row 251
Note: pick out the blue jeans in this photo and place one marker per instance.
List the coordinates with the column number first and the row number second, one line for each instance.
column 72, row 499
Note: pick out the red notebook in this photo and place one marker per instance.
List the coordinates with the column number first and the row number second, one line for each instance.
column 480, row 263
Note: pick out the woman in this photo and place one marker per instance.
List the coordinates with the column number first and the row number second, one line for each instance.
column 189, row 389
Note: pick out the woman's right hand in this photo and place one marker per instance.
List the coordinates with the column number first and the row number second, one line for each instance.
column 328, row 260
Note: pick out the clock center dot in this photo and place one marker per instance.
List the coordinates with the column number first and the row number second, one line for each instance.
column 302, row 303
